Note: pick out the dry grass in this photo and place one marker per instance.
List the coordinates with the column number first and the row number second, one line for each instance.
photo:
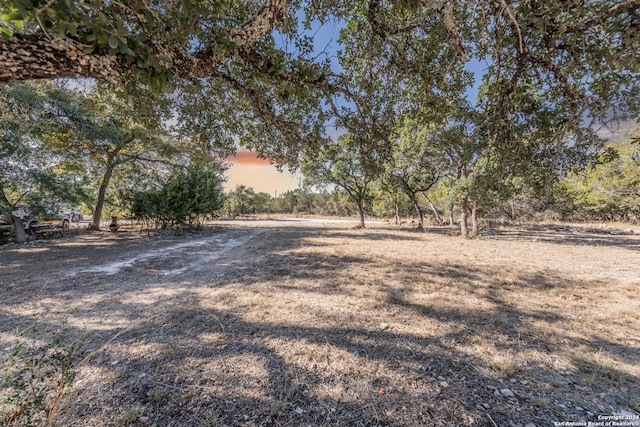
column 334, row 326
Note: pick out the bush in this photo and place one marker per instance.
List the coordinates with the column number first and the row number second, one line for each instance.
column 7, row 235
column 185, row 198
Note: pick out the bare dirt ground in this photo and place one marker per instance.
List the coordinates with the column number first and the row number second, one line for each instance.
column 319, row 324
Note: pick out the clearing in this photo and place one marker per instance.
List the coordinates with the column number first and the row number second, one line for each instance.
column 302, row 323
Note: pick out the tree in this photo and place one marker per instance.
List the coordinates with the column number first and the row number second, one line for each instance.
column 115, row 140
column 416, row 164
column 240, row 202
column 581, row 58
column 542, row 90
column 31, row 114
column 389, row 202
column 344, row 165
column 610, row 189
column 186, row 197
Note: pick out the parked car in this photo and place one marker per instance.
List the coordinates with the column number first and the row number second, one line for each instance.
column 31, row 225
column 75, row 215
column 58, row 220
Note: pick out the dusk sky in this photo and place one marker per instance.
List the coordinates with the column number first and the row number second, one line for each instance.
column 247, row 169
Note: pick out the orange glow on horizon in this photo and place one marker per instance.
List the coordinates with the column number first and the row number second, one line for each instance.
column 249, row 170
column 244, row 157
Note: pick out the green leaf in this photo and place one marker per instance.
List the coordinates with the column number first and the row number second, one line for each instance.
column 114, row 42
column 5, row 33
column 14, row 15
column 89, row 48
column 151, row 61
column 168, row 61
column 61, row 30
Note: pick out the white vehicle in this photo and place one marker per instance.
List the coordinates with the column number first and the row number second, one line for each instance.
column 75, row 215
column 32, row 226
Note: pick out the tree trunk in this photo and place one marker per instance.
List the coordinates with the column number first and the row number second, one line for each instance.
column 474, row 220
column 361, row 212
column 451, row 220
column 18, row 226
column 97, row 214
column 397, row 213
column 436, row 214
column 463, row 217
column 419, row 211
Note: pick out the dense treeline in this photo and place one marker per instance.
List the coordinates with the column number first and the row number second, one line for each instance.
column 608, row 190
column 446, row 110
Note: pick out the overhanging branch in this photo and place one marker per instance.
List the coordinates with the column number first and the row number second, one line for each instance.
column 39, row 56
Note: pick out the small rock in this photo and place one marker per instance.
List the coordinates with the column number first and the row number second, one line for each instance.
column 530, row 425
column 299, row 411
column 441, row 378
column 383, row 326
column 507, row 392
column 486, row 406
column 513, row 380
column 444, row 384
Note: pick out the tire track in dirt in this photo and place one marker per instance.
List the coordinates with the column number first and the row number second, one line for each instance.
column 178, row 258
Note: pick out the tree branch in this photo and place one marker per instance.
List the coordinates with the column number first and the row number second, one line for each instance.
column 40, row 56
column 616, row 10
column 288, row 130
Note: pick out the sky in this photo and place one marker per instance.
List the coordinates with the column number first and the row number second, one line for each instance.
column 247, row 169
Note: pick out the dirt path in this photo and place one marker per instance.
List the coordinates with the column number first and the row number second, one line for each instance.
column 321, row 324
column 178, row 258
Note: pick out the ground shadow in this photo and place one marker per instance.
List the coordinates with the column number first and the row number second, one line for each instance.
column 183, row 360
